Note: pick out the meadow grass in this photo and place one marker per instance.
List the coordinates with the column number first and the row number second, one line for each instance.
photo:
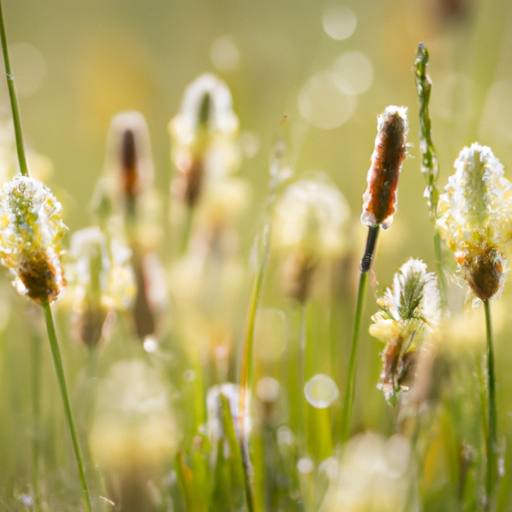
column 207, row 379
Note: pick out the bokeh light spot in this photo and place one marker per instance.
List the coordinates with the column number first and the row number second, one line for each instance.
column 224, row 54
column 323, row 103
column 339, row 22
column 321, row 391
column 28, row 66
column 353, row 72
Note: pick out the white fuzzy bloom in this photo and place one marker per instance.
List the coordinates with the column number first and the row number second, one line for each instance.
column 475, row 219
column 372, row 475
column 409, row 310
column 476, row 207
column 310, row 217
column 100, row 271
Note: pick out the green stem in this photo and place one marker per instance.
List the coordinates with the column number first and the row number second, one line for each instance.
column 14, row 99
column 59, row 370
column 429, row 161
column 247, row 364
column 492, row 440
column 351, row 373
column 442, row 282
column 348, row 402
column 36, row 404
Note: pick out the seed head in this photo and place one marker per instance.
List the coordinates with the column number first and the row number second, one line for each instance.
column 475, row 219
column 380, row 198
column 101, row 281
column 203, row 134
column 129, row 160
column 408, row 310
column 308, row 227
column 31, row 228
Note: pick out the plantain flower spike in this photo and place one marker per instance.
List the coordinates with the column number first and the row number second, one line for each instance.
column 203, row 135
column 129, row 158
column 309, row 221
column 102, row 281
column 475, row 219
column 410, row 311
column 380, row 198
column 31, row 229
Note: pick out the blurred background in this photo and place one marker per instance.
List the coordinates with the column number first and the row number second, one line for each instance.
column 329, row 66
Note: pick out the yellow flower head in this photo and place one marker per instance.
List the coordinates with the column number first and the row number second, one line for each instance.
column 30, row 234
column 475, row 218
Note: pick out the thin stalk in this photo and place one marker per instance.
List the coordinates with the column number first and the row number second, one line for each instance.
column 247, row 365
column 429, row 161
column 442, row 283
column 36, row 412
column 348, row 402
column 302, row 426
column 492, row 440
column 14, row 99
column 59, row 370
column 187, row 229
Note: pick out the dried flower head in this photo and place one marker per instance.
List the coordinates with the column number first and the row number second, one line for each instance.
column 30, row 234
column 203, row 136
column 409, row 310
column 380, row 198
column 475, row 219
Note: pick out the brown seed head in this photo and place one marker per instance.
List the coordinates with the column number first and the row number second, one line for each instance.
column 380, row 198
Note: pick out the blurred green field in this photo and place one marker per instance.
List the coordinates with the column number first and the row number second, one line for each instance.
column 314, row 76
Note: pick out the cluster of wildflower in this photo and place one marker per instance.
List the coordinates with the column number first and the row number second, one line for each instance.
column 102, row 280
column 475, row 219
column 30, row 234
column 309, row 220
column 409, row 310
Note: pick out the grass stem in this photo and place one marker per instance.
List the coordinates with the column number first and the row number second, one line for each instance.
column 492, row 441
column 14, row 99
column 247, row 364
column 348, row 402
column 59, row 369
column 36, row 419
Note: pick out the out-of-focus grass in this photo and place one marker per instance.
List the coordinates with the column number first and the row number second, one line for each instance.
column 101, row 58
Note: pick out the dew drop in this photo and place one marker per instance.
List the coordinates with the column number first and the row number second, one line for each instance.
column 323, row 103
column 339, row 22
column 267, row 389
column 224, row 54
column 321, row 391
column 305, row 465
column 29, row 68
column 353, row 72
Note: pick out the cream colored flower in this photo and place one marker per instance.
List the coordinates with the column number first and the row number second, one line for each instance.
column 203, row 136
column 31, row 229
column 475, row 219
column 410, row 309
column 309, row 217
column 373, row 475
column 308, row 228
